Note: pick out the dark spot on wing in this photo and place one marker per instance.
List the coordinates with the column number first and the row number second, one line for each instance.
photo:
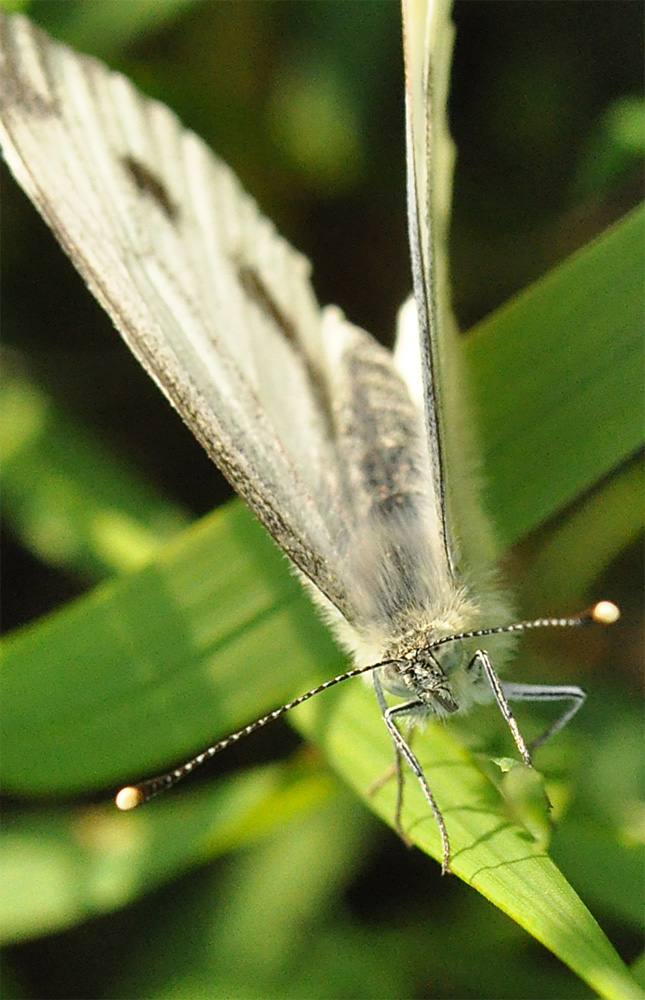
column 150, row 185
column 258, row 291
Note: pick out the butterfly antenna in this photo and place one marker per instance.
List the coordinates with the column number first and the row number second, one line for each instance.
column 135, row 795
column 604, row 613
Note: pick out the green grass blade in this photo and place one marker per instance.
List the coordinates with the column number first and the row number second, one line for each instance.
column 558, row 379
column 211, row 632
column 72, row 503
column 495, row 857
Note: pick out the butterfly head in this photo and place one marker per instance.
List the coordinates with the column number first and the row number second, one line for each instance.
column 416, row 670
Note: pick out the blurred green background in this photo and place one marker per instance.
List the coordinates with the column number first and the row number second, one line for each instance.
column 304, row 101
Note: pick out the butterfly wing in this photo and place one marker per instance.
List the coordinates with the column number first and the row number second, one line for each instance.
column 305, row 414
column 212, row 301
column 469, row 547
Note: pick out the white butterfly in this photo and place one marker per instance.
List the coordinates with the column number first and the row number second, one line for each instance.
column 341, row 448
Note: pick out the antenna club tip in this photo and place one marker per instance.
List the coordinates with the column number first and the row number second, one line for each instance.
column 128, row 798
column 605, row 612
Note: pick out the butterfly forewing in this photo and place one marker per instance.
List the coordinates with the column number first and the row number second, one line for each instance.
column 216, row 306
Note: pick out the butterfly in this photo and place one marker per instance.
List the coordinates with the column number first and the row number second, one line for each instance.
column 346, row 452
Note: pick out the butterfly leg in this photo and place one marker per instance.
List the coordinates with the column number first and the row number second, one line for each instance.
column 389, row 772
column 395, row 769
column 545, row 692
column 481, row 661
column 404, row 752
column 507, row 691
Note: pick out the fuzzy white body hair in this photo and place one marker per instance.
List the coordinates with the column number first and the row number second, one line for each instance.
column 395, row 566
